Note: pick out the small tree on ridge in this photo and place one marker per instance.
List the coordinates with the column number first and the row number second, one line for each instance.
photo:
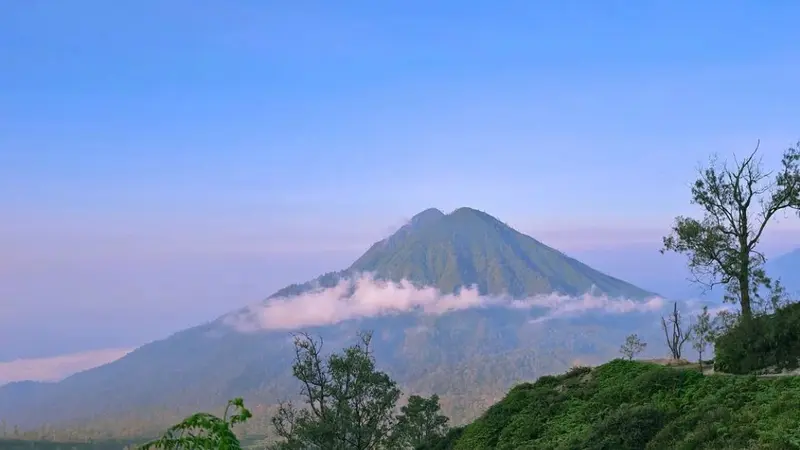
column 702, row 334
column 632, row 346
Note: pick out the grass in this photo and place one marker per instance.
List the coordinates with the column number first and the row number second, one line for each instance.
column 638, row 405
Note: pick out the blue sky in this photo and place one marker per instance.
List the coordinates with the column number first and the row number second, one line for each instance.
column 167, row 161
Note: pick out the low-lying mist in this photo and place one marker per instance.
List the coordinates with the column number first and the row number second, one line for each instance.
column 363, row 296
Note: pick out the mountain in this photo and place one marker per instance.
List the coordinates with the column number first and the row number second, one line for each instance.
column 469, row 352
column 787, row 268
column 471, row 248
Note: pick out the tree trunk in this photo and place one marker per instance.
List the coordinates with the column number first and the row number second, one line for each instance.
column 744, row 274
column 744, row 288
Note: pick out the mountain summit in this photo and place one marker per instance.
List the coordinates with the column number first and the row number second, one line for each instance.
column 468, row 248
column 454, row 354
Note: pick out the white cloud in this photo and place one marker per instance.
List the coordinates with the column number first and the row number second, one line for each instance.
column 695, row 307
column 564, row 306
column 371, row 298
column 57, row 367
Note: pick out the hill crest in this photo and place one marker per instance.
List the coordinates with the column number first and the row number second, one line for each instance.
column 469, row 247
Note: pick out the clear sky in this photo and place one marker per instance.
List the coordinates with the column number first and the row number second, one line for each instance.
column 213, row 150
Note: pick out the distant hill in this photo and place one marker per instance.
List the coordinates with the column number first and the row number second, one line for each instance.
column 787, row 268
column 633, row 405
column 469, row 356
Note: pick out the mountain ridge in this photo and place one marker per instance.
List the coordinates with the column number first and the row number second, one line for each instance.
column 404, row 256
column 204, row 365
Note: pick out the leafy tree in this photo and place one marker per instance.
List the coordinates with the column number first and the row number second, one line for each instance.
column 349, row 403
column 204, row 431
column 674, row 332
column 737, row 204
column 632, row 346
column 419, row 423
column 702, row 334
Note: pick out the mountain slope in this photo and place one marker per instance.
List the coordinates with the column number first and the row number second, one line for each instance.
column 204, row 366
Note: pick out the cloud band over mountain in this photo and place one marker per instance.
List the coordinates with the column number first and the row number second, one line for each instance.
column 363, row 296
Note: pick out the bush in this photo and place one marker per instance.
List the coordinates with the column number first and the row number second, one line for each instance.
column 576, row 371
column 445, row 442
column 765, row 342
column 628, row 428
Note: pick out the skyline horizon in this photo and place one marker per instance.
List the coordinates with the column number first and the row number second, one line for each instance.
column 162, row 162
column 93, row 356
column 631, row 262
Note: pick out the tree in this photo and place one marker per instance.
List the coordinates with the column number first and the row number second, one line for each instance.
column 349, row 403
column 674, row 332
column 419, row 423
column 702, row 334
column 737, row 204
column 632, row 346
column 204, row 431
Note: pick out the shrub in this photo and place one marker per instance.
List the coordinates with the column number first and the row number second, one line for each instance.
column 576, row 371
column 626, row 429
column 763, row 342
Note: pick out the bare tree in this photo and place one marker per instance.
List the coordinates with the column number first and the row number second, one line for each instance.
column 632, row 347
column 674, row 332
column 738, row 203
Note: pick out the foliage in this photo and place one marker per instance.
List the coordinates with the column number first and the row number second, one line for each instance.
column 632, row 346
column 722, row 246
column 445, row 442
column 702, row 333
column 419, row 422
column 204, row 431
column 770, row 341
column 349, row 404
column 635, row 405
column 674, row 332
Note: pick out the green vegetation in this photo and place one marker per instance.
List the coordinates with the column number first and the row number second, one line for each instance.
column 348, row 405
column 768, row 342
column 621, row 405
column 702, row 334
column 634, row 405
column 205, row 431
column 632, row 346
